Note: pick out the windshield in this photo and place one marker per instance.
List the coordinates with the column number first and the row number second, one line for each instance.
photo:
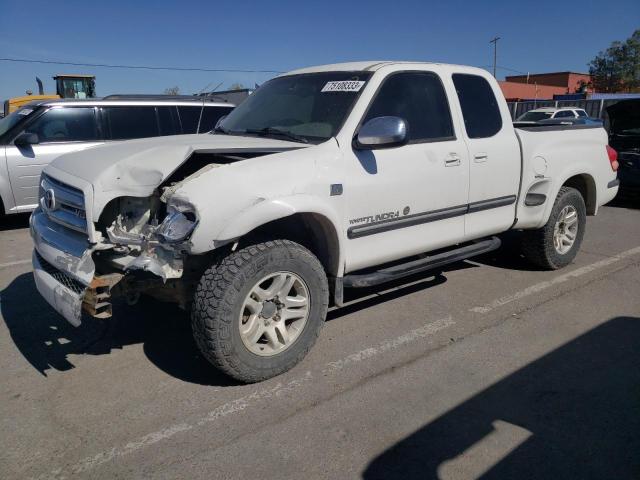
column 308, row 107
column 8, row 122
column 534, row 116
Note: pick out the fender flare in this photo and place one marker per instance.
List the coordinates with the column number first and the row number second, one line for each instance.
column 274, row 209
column 556, row 185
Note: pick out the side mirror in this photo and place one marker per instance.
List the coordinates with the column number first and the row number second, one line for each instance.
column 381, row 132
column 26, row 139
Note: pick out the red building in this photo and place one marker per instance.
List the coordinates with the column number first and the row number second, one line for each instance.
column 543, row 86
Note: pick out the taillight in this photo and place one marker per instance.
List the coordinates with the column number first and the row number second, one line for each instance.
column 613, row 158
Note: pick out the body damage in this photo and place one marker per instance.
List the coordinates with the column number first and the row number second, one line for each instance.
column 235, row 187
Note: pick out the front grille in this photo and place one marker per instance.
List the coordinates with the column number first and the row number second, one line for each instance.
column 60, row 276
column 63, row 204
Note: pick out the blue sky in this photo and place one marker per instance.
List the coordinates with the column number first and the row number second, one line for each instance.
column 282, row 35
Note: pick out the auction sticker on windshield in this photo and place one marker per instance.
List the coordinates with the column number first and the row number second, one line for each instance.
column 343, row 86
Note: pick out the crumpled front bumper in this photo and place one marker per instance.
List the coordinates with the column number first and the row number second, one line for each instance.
column 62, row 266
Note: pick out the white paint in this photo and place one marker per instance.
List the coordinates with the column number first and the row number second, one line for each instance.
column 247, row 401
column 538, row 287
column 413, row 335
column 17, row 262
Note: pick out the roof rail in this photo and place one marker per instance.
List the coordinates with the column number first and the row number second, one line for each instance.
column 144, row 96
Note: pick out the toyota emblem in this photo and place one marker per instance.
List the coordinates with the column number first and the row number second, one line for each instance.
column 50, row 199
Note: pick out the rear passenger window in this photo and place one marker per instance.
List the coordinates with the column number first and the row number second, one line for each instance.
column 168, row 119
column 418, row 98
column 210, row 116
column 581, row 113
column 480, row 109
column 125, row 123
column 189, row 118
column 66, row 125
column 565, row 114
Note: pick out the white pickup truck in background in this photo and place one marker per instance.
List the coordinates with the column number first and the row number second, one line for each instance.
column 325, row 178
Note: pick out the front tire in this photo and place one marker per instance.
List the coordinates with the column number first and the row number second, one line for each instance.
column 557, row 243
column 258, row 311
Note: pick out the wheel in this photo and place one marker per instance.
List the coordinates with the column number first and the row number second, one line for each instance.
column 556, row 244
column 258, row 311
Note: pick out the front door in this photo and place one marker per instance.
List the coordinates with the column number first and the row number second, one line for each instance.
column 60, row 131
column 408, row 199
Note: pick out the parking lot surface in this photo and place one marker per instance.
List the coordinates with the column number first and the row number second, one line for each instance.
column 488, row 369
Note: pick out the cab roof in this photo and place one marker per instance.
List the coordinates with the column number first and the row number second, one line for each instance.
column 372, row 66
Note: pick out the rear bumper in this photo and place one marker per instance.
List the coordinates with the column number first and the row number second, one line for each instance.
column 62, row 266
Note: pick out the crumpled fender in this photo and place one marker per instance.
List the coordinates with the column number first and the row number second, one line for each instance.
column 267, row 211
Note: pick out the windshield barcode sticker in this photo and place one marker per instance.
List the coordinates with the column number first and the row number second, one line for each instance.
column 343, row 86
column 25, row 111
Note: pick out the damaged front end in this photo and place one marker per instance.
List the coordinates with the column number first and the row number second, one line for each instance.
column 146, row 234
column 143, row 249
column 138, row 245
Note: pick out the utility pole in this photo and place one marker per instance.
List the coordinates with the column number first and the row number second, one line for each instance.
column 495, row 53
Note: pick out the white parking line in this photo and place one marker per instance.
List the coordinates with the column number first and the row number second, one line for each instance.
column 538, row 287
column 17, row 262
column 242, row 403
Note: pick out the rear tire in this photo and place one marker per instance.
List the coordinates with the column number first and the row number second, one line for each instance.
column 557, row 243
column 242, row 316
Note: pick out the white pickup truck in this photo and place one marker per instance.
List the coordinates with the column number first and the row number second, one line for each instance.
column 326, row 178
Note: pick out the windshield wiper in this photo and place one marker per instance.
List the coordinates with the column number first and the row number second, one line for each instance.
column 220, row 129
column 276, row 131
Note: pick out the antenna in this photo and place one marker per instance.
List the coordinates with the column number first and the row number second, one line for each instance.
column 494, row 40
column 204, row 97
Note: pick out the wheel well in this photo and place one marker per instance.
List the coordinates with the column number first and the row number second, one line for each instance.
column 585, row 184
column 314, row 231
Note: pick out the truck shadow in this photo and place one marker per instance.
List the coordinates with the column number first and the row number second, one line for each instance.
column 626, row 200
column 573, row 413
column 48, row 342
column 14, row 222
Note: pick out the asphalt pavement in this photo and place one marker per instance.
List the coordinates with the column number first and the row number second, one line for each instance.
column 488, row 369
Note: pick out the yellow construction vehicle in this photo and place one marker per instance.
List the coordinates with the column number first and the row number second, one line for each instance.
column 67, row 86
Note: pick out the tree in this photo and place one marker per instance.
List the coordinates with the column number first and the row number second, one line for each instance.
column 236, row 86
column 172, row 90
column 618, row 67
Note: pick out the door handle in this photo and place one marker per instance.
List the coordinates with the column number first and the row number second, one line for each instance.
column 452, row 160
column 480, row 157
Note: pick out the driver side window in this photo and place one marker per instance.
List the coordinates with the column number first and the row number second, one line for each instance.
column 420, row 100
column 65, row 125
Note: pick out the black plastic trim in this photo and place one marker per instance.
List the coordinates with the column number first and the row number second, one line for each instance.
column 534, row 199
column 613, row 183
column 367, row 229
column 420, row 265
column 491, row 203
column 406, row 221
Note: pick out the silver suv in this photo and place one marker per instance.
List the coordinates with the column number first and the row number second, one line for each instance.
column 33, row 136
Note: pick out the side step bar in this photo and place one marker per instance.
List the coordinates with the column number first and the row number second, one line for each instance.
column 420, row 265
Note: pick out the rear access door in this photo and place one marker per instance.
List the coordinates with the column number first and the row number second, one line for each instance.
column 494, row 156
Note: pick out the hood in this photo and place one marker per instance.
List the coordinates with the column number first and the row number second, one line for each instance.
column 136, row 167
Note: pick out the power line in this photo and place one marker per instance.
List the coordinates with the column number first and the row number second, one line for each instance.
column 138, row 67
